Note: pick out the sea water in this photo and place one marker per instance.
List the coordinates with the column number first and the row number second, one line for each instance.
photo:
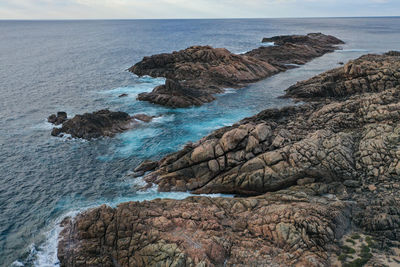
column 80, row 66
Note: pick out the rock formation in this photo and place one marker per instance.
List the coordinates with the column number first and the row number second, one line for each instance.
column 57, row 119
column 304, row 175
column 196, row 73
column 369, row 73
column 96, row 124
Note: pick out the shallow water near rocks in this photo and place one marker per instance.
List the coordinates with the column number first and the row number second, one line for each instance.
column 80, row 66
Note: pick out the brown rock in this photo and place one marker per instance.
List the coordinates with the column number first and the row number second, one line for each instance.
column 196, row 73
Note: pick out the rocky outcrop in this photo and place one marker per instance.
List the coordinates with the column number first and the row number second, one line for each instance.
column 94, row 125
column 295, row 49
column 369, row 73
column 58, row 118
column 202, row 231
column 196, row 73
column 306, row 175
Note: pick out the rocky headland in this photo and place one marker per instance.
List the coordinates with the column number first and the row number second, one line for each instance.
column 317, row 185
column 94, row 125
column 195, row 74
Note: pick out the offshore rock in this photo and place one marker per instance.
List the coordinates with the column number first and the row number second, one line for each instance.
column 96, row 124
column 196, row 73
column 295, row 49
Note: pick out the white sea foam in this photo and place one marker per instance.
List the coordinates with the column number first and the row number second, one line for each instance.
column 45, row 126
column 164, row 119
column 144, row 84
column 228, row 91
column 268, row 44
column 17, row 264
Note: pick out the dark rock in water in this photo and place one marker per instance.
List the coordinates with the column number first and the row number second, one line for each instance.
column 311, row 39
column 340, row 63
column 57, row 119
column 143, row 117
column 307, row 175
column 123, row 95
column 196, row 73
column 295, row 49
column 96, row 124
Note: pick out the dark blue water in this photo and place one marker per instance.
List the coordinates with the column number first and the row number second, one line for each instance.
column 80, row 66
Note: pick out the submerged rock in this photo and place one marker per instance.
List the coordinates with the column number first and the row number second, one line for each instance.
column 307, row 175
column 143, row 117
column 196, row 73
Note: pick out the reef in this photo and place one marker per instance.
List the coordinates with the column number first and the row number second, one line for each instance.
column 195, row 74
column 311, row 181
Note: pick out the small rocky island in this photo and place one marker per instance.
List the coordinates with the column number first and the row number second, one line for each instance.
column 94, row 125
column 317, row 185
column 195, row 74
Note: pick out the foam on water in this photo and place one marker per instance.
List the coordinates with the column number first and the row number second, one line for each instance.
column 142, row 84
column 45, row 126
column 228, row 91
column 268, row 44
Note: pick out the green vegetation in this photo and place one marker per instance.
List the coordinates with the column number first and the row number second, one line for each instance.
column 348, row 250
column 351, row 241
column 371, row 243
column 355, row 236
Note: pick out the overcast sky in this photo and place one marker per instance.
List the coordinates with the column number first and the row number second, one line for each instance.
column 148, row 9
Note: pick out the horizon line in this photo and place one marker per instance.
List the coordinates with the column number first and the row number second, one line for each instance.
column 238, row 18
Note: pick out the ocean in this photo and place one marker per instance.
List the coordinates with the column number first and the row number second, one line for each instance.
column 80, row 66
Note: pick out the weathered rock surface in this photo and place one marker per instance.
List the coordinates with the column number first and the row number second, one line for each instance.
column 97, row 124
column 306, row 175
column 295, row 49
column 196, row 73
column 58, row 118
column 202, row 231
column 369, row 73
column 94, row 125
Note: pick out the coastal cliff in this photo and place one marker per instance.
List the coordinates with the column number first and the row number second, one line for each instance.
column 195, row 74
column 311, row 181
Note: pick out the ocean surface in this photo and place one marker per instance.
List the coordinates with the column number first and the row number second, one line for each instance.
column 80, row 66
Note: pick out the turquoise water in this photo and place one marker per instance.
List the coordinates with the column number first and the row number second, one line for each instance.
column 80, row 66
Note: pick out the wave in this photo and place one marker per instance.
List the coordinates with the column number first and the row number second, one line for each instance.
column 228, row 91
column 268, row 44
column 142, row 84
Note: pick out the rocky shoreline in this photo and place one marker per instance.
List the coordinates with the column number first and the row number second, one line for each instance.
column 318, row 185
column 195, row 74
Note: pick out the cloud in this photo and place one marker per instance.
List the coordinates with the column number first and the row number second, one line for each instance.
column 74, row 9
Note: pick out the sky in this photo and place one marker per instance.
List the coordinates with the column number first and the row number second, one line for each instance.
column 164, row 9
